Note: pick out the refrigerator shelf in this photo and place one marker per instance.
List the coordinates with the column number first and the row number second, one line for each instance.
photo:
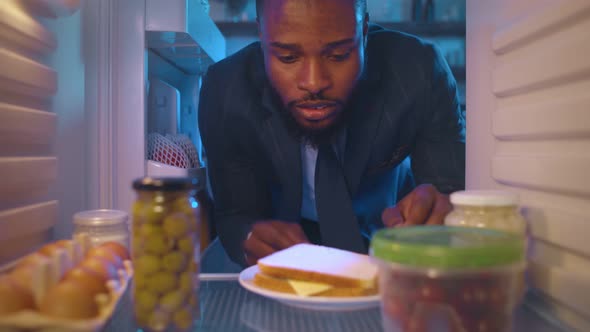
column 24, row 220
column 18, row 27
column 21, row 75
column 22, row 127
column 181, row 32
column 56, row 8
column 29, row 177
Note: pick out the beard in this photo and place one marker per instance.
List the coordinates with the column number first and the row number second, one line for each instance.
column 314, row 136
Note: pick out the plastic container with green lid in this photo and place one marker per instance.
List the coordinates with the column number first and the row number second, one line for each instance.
column 440, row 278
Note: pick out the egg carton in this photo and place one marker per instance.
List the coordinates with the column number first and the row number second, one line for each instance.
column 46, row 273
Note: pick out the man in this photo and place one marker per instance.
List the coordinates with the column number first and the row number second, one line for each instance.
column 307, row 133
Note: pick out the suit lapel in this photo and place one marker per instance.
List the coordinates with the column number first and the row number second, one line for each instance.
column 362, row 131
column 286, row 156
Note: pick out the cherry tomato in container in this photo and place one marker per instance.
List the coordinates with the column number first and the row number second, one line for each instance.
column 441, row 278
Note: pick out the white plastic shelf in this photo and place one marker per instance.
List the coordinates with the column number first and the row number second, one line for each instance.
column 21, row 75
column 18, row 26
column 21, row 127
column 28, row 177
column 25, row 220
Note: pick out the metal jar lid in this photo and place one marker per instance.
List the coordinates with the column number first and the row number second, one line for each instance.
column 101, row 217
column 484, row 198
column 165, row 184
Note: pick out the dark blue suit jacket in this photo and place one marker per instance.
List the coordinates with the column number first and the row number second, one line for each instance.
column 408, row 107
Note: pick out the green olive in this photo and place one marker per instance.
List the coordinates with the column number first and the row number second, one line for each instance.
column 147, row 264
column 186, row 244
column 142, row 317
column 174, row 261
column 162, row 282
column 157, row 243
column 171, row 301
column 145, row 300
column 159, row 320
column 185, row 282
column 176, row 225
column 149, row 213
column 183, row 204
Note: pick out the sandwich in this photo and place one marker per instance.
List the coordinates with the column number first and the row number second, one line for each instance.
column 312, row 270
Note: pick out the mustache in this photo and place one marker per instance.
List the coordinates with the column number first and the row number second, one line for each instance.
column 314, row 97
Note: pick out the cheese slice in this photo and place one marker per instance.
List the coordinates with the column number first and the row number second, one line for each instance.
column 305, row 288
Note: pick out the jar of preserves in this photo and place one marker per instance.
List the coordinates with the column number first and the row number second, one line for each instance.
column 165, row 253
column 486, row 209
column 103, row 226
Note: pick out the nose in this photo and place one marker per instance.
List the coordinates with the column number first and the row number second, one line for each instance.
column 313, row 77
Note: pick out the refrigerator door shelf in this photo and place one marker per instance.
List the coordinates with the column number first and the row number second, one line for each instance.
column 23, row 128
column 22, row 221
column 54, row 8
column 158, row 170
column 29, row 177
column 182, row 32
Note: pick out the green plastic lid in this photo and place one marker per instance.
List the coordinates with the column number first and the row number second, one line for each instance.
column 447, row 247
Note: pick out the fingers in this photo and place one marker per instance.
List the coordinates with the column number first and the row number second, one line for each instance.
column 392, row 216
column 254, row 249
column 295, row 233
column 421, row 204
column 276, row 234
column 442, row 207
column 424, row 205
column 268, row 237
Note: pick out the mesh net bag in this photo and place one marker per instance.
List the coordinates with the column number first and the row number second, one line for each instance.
column 163, row 150
column 187, row 145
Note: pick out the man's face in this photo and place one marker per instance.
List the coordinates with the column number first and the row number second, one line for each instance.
column 314, row 55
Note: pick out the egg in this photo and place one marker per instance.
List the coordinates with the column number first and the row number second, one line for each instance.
column 90, row 279
column 50, row 248
column 13, row 298
column 31, row 259
column 69, row 299
column 118, row 248
column 106, row 254
column 103, row 268
column 23, row 276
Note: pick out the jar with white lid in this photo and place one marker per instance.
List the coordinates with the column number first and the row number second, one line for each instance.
column 493, row 209
column 103, row 226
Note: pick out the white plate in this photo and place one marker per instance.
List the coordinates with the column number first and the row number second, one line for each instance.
column 308, row 302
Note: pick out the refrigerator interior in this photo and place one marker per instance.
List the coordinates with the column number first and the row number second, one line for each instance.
column 74, row 96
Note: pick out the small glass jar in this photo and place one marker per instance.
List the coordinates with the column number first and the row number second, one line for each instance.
column 486, row 209
column 165, row 253
column 103, row 226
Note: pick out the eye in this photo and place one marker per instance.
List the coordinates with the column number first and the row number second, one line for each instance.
column 339, row 56
column 287, row 58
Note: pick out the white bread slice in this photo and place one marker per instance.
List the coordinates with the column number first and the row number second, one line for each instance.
column 313, row 263
column 304, row 288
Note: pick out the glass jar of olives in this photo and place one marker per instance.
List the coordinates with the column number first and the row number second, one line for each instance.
column 165, row 253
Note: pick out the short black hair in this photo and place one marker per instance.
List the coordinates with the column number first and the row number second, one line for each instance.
column 361, row 6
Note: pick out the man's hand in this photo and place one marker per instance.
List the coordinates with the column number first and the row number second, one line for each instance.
column 424, row 205
column 270, row 236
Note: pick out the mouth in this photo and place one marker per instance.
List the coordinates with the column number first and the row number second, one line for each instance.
column 316, row 111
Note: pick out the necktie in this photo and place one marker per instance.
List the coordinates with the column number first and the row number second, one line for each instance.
column 338, row 225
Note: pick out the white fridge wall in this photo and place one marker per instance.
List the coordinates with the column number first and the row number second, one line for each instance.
column 528, row 125
column 68, row 104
